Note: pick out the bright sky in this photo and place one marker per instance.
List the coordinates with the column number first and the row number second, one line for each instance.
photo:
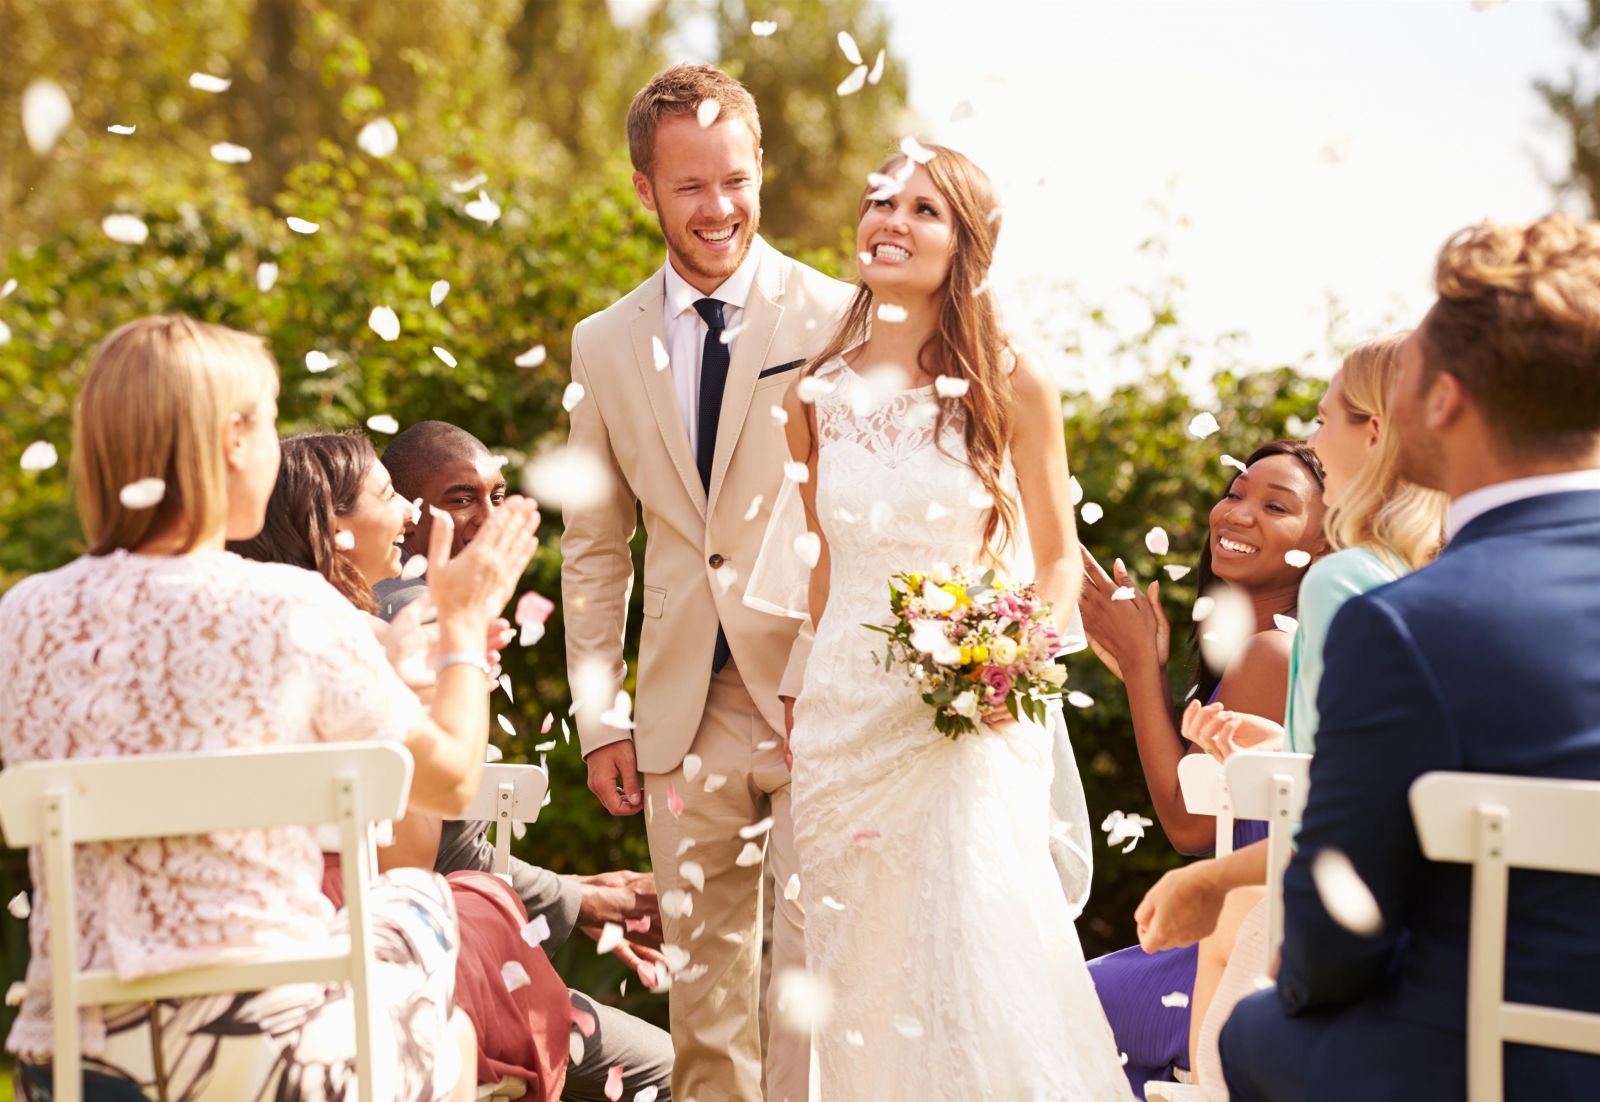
column 1315, row 147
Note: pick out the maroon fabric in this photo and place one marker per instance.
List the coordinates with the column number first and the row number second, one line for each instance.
column 522, row 1033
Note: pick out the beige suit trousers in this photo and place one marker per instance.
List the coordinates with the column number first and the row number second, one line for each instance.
column 741, row 780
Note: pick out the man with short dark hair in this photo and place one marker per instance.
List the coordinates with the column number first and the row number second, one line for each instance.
column 1484, row 661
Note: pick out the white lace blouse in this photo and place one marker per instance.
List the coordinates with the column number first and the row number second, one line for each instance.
column 132, row 654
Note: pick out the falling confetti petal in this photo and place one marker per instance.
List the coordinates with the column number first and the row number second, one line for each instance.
column 384, row 322
column 571, row 396
column 1175, row 999
column 613, row 1089
column 674, row 801
column 378, row 138
column 125, row 229
column 570, row 477
column 16, row 993
column 1230, row 461
column 1202, row 425
column 854, row 82
column 796, row 471
column 877, row 67
column 416, row 566
column 266, row 276
column 436, row 293
column 620, row 714
column 537, row 932
column 1203, row 607
column 1121, row 828
column 962, row 111
column 808, row 546
column 891, row 313
column 847, row 44
column 300, row 225
column 749, row 856
column 5, row 333
column 1228, row 628
column 677, row 904
column 1285, row 623
column 948, row 386
column 1297, row 558
column 1345, row 895
column 317, row 362
column 1077, row 489
column 694, row 873
column 444, row 355
column 763, row 28
column 1156, row 541
column 755, row 507
column 1091, row 512
column 1175, row 572
column 146, row 493
column 344, row 540
column 513, row 975
column 46, row 114
column 19, row 905
column 707, row 113
column 649, row 1094
column 1080, row 700
column 1124, row 593
column 915, row 150
column 714, row 782
column 39, row 456
column 230, row 154
column 811, row 388
column 610, row 938
column 205, row 82
column 383, row 422
column 791, row 890
column 533, row 357
column 691, row 766
column 9, row 286
column 757, row 829
column 484, row 209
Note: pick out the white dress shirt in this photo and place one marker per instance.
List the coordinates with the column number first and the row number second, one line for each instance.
column 686, row 331
column 1473, row 504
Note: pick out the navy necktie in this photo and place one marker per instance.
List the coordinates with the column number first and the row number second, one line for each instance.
column 713, row 381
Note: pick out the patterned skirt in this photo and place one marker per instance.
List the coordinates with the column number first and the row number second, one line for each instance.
column 297, row 1043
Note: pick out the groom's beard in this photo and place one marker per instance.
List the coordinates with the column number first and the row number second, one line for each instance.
column 690, row 254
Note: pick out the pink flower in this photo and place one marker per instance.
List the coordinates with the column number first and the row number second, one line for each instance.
column 998, row 679
column 533, row 608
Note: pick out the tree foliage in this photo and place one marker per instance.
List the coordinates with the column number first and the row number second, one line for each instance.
column 1575, row 101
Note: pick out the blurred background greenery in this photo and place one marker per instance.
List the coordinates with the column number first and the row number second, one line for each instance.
column 529, row 96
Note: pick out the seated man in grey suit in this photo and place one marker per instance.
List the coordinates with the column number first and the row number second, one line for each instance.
column 452, row 471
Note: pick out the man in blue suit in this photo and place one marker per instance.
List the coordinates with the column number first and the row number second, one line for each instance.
column 1486, row 661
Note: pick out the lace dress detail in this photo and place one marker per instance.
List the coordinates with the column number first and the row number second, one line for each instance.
column 131, row 654
column 934, row 911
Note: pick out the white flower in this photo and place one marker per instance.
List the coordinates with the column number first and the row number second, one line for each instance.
column 378, row 138
column 966, row 704
column 1056, row 675
column 1004, row 650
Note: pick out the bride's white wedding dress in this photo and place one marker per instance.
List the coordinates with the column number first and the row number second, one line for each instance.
column 934, row 912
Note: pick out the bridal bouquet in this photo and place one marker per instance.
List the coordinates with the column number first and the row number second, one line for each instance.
column 973, row 646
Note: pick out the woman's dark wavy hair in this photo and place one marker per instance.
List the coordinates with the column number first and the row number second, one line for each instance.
column 1206, row 679
column 319, row 479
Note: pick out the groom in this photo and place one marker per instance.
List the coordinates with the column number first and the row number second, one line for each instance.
column 680, row 379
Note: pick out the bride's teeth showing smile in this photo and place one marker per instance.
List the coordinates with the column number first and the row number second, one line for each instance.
column 892, row 254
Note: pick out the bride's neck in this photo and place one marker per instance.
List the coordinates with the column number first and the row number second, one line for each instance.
column 899, row 342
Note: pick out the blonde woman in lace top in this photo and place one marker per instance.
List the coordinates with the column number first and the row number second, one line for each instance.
column 159, row 640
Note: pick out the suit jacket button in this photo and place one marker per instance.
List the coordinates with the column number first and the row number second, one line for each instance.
column 716, row 561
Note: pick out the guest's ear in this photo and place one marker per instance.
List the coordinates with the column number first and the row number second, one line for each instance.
column 233, row 442
column 641, row 188
column 1374, row 430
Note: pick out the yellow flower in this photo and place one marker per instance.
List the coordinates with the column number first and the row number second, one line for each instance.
column 966, row 655
column 960, row 594
column 980, row 654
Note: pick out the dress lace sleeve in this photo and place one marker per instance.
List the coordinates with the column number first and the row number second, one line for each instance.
column 355, row 692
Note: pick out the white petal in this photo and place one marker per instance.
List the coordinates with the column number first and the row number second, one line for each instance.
column 808, row 546
column 762, row 28
column 1203, row 607
column 126, row 229
column 378, row 138
column 1285, row 623
column 961, row 111
column 891, row 313
column 877, row 67
column 1076, row 488
column 796, row 472
column 1091, row 512
column 383, row 422
column 537, row 931
column 883, row 187
column 756, row 830
column 6, row 289
column 811, row 388
column 415, row 567
column 533, row 357
column 847, row 44
column 1230, row 461
column 146, row 493
column 46, row 114
column 1297, row 558
column 727, row 575
column 436, row 293
column 266, row 276
column 658, row 353
column 317, row 362
column 571, row 396
column 854, row 82
column 1175, row 572
column 39, row 456
column 5, row 333
column 124, row 131
column 230, row 154
column 513, row 975
column 569, row 477
column 205, row 82
column 948, row 386
column 19, row 905
column 1124, row 593
column 1156, row 541
column 791, row 890
column 1202, row 425
column 384, row 322
column 300, row 225
column 707, row 113
column 755, row 507
column 1228, row 628
column 715, row 781
column 915, row 150
column 780, row 415
column 1079, row 700
column 16, row 993
column 1175, row 999
column 691, row 766
column 907, row 1026
column 749, row 857
column 461, row 187
column 444, row 355
column 484, row 209
column 694, row 873
column 1345, row 895
column 804, row 1001
column 344, row 540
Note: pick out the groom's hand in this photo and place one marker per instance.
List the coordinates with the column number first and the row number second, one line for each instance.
column 614, row 778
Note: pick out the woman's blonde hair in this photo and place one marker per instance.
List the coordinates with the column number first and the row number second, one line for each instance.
column 967, row 342
column 153, row 405
column 1401, row 521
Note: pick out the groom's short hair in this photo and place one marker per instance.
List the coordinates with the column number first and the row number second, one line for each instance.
column 679, row 91
column 1518, row 323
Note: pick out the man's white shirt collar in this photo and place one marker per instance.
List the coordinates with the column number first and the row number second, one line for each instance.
column 1473, row 504
column 733, row 291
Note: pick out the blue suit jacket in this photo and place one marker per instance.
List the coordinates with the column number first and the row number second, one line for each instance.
column 1486, row 661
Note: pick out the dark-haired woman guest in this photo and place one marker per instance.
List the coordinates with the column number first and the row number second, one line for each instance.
column 1268, row 519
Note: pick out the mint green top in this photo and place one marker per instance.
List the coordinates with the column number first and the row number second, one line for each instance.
column 1329, row 583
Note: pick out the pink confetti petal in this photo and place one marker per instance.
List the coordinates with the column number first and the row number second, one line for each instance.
column 583, row 1020
column 674, row 801
column 533, row 608
column 614, row 1083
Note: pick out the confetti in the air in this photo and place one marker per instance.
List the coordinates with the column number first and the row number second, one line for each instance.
column 1230, row 461
column 908, row 1027
column 5, row 333
column 146, row 493
column 749, row 856
column 415, row 567
column 16, row 993
column 1297, row 558
column 39, row 456
column 610, row 938
column 436, row 293
column 808, row 546
column 567, row 477
column 301, row 225
column 318, row 362
column 691, row 766
column 6, row 288
column 613, row 1089
column 915, row 150
column 658, row 354
column 1345, row 895
column 378, row 138
column 123, row 131
column 706, row 114
column 791, row 890
column 533, row 357
column 1285, row 623
column 757, row 829
column 445, row 356
column 1121, row 828
column 230, row 154
column 1202, row 425
column 804, row 1000
column 266, row 276
column 1157, row 542
column 384, row 322
column 1202, row 607
column 46, row 114
column 891, row 313
column 1080, row 699
column 19, row 905
column 1174, row 571
column 513, row 975
column 383, row 422
column 620, row 714
column 571, row 396
column 1228, row 628
column 877, row 67
column 847, row 45
column 344, row 540
column 1124, row 593
column 1091, row 512
column 483, row 209
column 1176, row 999
column 780, row 415
column 764, row 28
column 854, row 82
column 694, row 873
column 461, row 187
column 674, row 801
column 125, row 229
column 795, row 471
column 811, row 388
column 948, row 386
column 205, row 82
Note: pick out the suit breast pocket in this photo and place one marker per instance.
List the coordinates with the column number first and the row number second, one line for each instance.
column 655, row 601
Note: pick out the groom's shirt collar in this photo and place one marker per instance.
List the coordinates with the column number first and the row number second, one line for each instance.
column 733, row 291
column 1473, row 504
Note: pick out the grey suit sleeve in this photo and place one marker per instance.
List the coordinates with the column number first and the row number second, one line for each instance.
column 463, row 846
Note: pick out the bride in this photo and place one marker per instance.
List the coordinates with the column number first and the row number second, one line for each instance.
column 935, row 915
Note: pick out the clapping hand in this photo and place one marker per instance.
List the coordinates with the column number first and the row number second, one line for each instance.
column 411, row 642
column 1220, row 732
column 1123, row 632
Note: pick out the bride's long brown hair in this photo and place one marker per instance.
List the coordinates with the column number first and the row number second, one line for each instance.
column 967, row 342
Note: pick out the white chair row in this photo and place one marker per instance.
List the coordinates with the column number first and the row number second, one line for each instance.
column 355, row 787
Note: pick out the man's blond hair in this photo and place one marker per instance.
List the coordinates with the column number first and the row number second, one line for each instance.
column 679, row 91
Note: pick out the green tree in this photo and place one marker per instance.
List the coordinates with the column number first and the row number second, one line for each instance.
column 1575, row 101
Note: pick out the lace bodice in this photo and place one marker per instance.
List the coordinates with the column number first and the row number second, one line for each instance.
column 131, row 654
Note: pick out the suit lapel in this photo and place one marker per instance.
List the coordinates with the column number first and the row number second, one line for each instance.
column 645, row 325
column 762, row 313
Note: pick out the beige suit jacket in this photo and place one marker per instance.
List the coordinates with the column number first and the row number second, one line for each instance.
column 629, row 420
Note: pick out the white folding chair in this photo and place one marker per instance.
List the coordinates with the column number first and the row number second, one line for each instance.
column 61, row 804
column 1496, row 824
column 508, row 794
column 1205, row 792
column 1271, row 786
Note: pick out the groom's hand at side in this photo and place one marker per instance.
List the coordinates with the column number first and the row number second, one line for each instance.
column 614, row 778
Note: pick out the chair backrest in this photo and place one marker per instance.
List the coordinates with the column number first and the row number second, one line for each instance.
column 1205, row 792
column 1495, row 824
column 1271, row 786
column 508, row 794
column 57, row 805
